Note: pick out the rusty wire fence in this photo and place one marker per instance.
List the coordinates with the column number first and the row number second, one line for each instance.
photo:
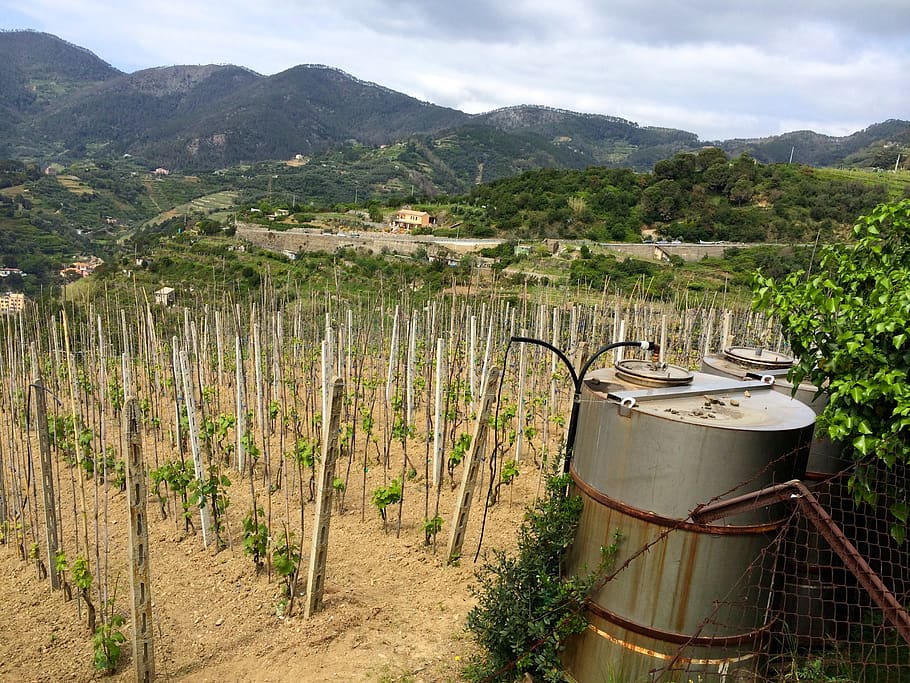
column 832, row 589
column 842, row 585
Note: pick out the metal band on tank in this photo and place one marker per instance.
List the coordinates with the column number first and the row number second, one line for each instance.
column 659, row 520
column 752, row 638
column 663, row 656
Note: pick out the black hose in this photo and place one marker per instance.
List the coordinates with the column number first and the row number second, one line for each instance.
column 577, row 379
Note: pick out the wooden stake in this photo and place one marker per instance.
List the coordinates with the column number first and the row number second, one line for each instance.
column 522, row 370
column 47, row 472
column 316, row 577
column 471, row 466
column 140, row 582
column 190, row 402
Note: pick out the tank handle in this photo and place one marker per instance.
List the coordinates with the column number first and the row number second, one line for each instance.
column 768, row 379
column 626, row 405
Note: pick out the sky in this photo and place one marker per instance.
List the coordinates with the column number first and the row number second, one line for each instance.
column 720, row 69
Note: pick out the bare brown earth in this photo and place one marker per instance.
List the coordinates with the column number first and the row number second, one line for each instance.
column 393, row 609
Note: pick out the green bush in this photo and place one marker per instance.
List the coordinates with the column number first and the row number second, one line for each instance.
column 526, row 606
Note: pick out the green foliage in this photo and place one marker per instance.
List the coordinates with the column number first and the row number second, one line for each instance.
column 255, row 536
column 814, row 669
column 431, row 527
column 526, row 606
column 211, row 492
column 509, row 472
column 383, row 496
column 107, row 641
column 624, row 275
column 305, row 453
column 82, row 577
column 248, row 442
column 61, row 566
column 459, row 450
column 176, row 474
column 847, row 325
column 286, row 559
column 115, row 392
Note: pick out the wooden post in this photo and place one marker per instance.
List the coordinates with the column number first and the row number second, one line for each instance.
column 393, row 360
column 316, row 577
column 472, row 463
column 47, row 473
column 240, row 431
column 472, row 363
column 522, row 371
column 409, row 366
column 581, row 355
column 205, row 516
column 618, row 352
column 708, row 334
column 140, row 584
column 438, row 436
column 726, row 341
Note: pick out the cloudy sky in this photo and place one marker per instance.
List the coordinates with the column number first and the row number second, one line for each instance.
column 720, row 69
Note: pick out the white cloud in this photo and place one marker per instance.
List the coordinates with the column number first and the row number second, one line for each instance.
column 718, row 69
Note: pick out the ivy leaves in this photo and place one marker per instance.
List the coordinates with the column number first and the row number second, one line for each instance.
column 847, row 325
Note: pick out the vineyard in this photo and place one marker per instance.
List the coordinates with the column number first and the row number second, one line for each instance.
column 287, row 488
column 231, row 404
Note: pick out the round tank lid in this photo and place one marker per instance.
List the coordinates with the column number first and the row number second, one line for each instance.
column 757, row 357
column 651, row 374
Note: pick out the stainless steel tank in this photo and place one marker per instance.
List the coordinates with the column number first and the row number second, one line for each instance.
column 754, row 362
column 652, row 444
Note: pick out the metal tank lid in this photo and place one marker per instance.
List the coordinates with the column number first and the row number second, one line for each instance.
column 707, row 400
column 753, row 362
column 758, row 357
column 647, row 373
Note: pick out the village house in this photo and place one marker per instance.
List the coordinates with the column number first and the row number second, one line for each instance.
column 6, row 272
column 166, row 296
column 407, row 220
column 11, row 302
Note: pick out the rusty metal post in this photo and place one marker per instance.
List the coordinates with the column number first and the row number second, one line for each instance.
column 136, row 494
column 316, row 576
column 472, row 462
column 47, row 473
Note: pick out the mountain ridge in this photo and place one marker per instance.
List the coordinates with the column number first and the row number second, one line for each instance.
column 65, row 102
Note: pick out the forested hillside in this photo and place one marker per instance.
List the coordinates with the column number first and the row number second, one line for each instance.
column 691, row 197
column 111, row 209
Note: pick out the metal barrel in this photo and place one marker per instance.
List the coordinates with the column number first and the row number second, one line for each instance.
column 687, row 598
column 816, row 590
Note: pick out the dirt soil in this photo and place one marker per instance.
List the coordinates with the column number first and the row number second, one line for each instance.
column 393, row 609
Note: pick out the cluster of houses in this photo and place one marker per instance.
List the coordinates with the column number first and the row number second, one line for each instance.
column 82, row 268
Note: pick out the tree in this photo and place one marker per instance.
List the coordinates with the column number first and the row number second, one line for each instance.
column 375, row 213
column 847, row 325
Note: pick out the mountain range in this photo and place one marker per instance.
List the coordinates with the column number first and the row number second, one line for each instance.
column 61, row 102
